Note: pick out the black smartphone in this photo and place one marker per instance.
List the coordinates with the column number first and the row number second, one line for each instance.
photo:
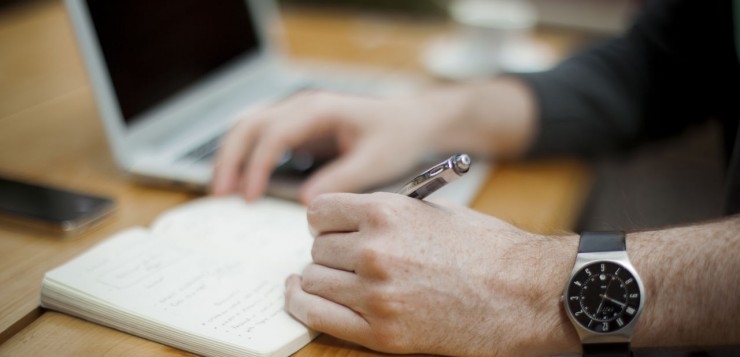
column 53, row 210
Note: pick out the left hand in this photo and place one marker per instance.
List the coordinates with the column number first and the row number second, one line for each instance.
column 401, row 275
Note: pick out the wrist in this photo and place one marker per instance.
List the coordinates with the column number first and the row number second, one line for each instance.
column 539, row 325
column 556, row 335
column 492, row 118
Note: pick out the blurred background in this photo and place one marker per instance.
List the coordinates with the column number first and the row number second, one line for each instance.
column 609, row 17
column 677, row 180
column 674, row 181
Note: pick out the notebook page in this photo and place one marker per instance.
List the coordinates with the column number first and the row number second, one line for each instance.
column 270, row 229
column 201, row 273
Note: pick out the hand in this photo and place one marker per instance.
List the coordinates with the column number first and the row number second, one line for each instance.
column 402, row 275
column 378, row 140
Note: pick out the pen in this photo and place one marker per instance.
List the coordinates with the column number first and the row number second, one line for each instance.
column 436, row 177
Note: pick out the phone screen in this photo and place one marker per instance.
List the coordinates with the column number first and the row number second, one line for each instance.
column 55, row 208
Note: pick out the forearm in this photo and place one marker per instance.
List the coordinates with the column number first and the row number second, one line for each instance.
column 493, row 118
column 692, row 280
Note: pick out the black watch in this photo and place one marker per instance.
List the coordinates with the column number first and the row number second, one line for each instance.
column 604, row 295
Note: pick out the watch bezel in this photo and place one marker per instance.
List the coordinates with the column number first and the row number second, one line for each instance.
column 587, row 335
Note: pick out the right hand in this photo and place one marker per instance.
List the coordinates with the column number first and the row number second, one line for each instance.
column 378, row 140
column 401, row 275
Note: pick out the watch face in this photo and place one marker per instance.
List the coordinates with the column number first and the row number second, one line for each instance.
column 603, row 297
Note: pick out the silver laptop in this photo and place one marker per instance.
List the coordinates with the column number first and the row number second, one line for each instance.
column 170, row 75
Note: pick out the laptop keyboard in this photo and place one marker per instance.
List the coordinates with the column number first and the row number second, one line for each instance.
column 205, row 151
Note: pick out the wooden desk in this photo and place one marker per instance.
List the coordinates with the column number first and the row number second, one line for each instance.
column 50, row 132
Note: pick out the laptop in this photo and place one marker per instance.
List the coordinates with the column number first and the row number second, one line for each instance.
column 169, row 77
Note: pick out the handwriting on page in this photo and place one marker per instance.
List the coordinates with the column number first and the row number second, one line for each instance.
column 210, row 295
column 243, row 311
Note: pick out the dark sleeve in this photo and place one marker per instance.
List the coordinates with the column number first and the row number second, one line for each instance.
column 670, row 69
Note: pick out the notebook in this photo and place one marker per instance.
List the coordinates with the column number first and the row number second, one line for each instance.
column 169, row 77
column 206, row 277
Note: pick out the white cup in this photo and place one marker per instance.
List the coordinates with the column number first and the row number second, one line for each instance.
column 487, row 28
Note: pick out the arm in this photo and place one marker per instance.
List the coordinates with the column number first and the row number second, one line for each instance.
column 691, row 274
column 400, row 275
column 675, row 66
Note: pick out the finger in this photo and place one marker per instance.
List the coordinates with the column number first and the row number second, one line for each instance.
column 336, row 251
column 323, row 315
column 335, row 212
column 290, row 129
column 232, row 153
column 339, row 286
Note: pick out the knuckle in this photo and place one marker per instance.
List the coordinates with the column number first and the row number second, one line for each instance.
column 372, row 258
column 381, row 213
column 383, row 302
column 316, row 208
column 309, row 274
column 272, row 135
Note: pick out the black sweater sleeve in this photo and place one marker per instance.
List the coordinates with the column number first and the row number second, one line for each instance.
column 677, row 64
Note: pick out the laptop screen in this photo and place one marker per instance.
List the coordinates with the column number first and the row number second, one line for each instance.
column 156, row 48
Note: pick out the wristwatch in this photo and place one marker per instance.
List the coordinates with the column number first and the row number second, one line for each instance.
column 604, row 295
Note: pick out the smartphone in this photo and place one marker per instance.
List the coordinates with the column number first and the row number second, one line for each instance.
column 53, row 210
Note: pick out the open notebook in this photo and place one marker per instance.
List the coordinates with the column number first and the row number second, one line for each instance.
column 206, row 277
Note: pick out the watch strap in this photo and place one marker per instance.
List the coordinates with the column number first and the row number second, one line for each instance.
column 607, row 350
column 612, row 241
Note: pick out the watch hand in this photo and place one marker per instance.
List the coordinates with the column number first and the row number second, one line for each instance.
column 603, row 296
column 600, row 305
